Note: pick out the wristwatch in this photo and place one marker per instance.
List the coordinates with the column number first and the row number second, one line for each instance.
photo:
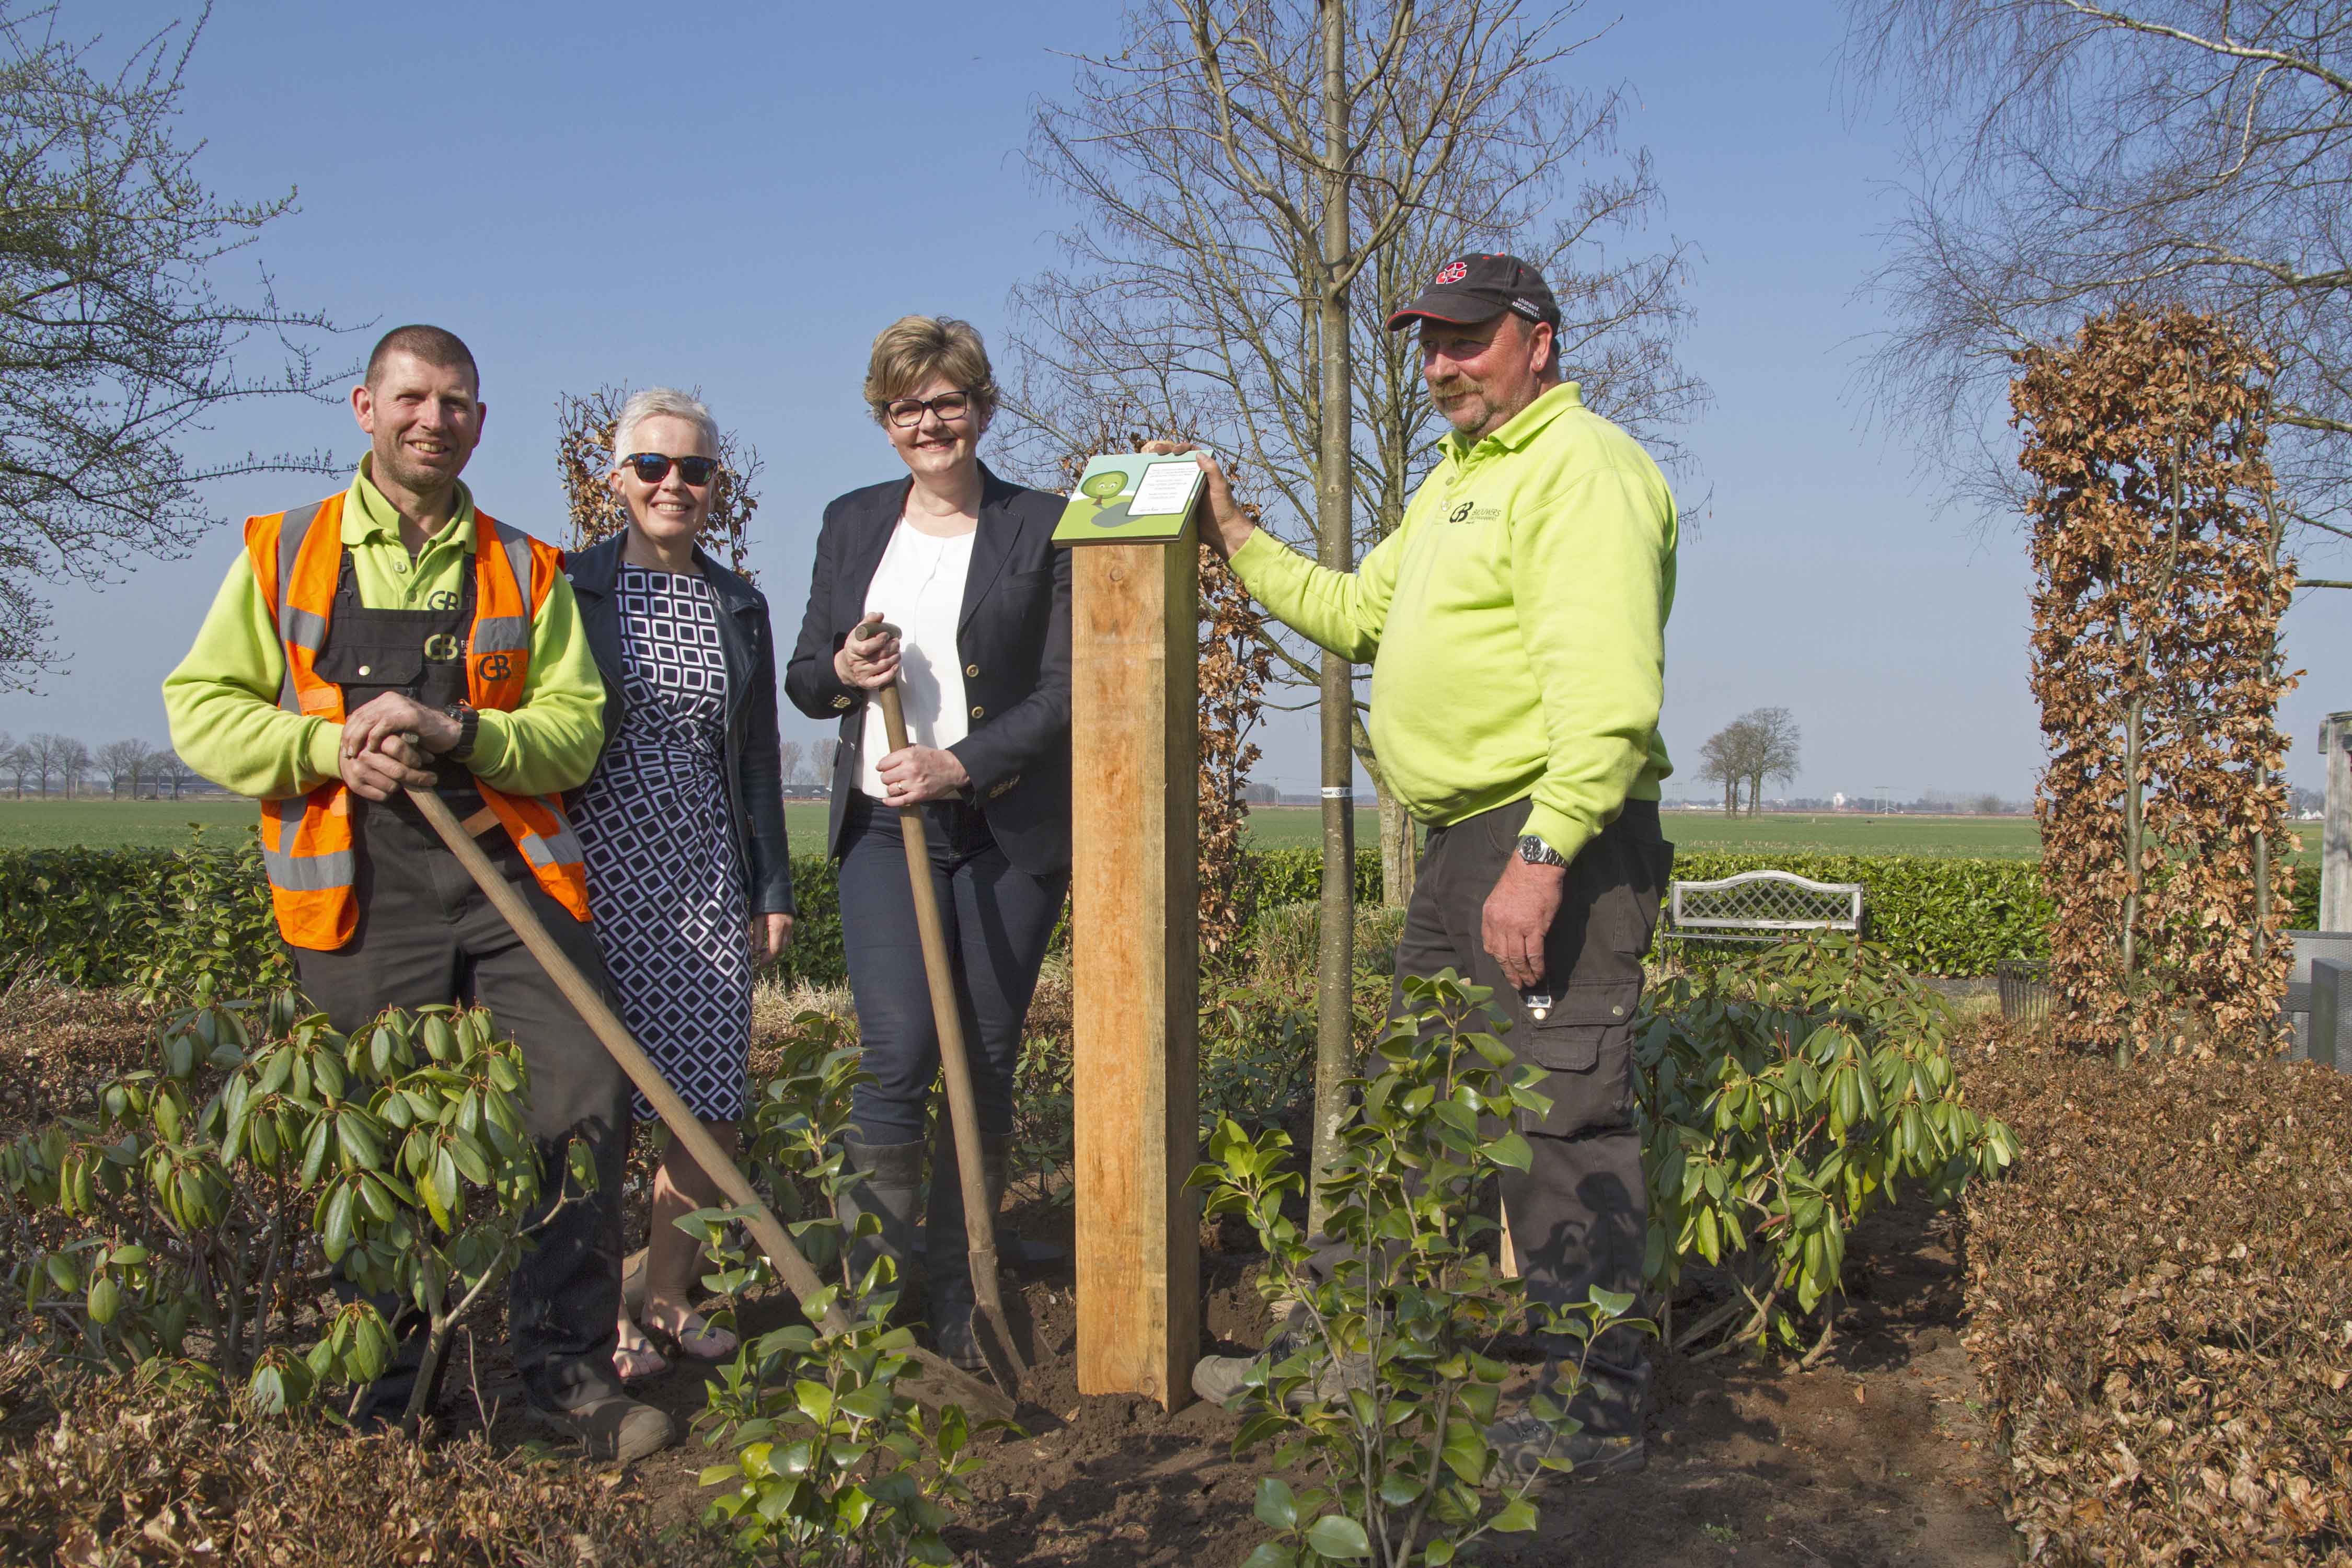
column 1535, row 852
column 469, row 724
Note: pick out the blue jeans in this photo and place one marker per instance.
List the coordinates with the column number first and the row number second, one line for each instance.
column 998, row 920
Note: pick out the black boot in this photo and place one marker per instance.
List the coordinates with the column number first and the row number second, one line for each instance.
column 950, row 1257
column 891, row 1190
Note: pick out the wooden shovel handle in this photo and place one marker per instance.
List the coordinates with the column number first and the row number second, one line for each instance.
column 940, row 1381
column 955, row 1065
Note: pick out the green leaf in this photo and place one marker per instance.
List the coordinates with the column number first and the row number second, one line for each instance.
column 1515, row 1516
column 1269, row 1555
column 1511, row 1150
column 1337, row 1535
column 1277, row 1509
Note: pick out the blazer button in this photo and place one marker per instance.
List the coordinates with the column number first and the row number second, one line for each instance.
column 978, row 712
column 841, row 702
column 972, row 670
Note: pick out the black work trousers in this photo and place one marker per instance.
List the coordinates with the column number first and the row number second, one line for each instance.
column 427, row 934
column 998, row 920
column 1580, row 1214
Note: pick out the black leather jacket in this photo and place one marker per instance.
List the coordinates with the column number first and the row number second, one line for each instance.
column 755, row 779
column 1014, row 639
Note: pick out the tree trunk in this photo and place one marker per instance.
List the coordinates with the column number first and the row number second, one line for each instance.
column 1400, row 853
column 1335, row 1054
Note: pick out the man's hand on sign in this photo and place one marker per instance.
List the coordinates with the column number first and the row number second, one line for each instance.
column 868, row 657
column 1232, row 525
column 393, row 714
column 1518, row 914
column 918, row 774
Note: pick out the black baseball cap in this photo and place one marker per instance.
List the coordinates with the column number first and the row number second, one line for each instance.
column 1469, row 290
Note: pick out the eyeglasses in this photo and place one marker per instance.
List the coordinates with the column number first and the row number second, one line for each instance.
column 653, row 467
column 907, row 413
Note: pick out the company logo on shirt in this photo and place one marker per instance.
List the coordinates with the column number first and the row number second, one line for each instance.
column 441, row 646
column 1471, row 511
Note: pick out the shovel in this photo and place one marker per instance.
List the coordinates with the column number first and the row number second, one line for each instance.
column 978, row 1217
column 938, row 1382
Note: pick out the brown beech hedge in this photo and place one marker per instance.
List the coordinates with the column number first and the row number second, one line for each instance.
column 2161, row 1303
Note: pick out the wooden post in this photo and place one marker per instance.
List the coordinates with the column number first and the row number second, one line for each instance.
column 2335, row 829
column 1135, row 959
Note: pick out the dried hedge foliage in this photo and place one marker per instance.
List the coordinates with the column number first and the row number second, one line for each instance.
column 105, row 1472
column 2161, row 1305
column 2155, row 662
column 585, row 459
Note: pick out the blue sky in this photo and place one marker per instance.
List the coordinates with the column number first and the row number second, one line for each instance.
column 738, row 198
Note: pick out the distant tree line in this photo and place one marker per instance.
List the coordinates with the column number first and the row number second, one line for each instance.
column 60, row 764
column 811, row 763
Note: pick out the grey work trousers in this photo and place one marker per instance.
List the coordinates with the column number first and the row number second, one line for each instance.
column 1580, row 1214
column 427, row 934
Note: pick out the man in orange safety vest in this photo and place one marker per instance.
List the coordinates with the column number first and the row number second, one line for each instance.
column 393, row 636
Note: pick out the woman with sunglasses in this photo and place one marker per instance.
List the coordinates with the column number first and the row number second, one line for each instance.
column 945, row 583
column 682, row 825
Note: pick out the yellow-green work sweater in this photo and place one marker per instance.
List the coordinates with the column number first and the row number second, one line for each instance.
column 1514, row 621
column 222, row 700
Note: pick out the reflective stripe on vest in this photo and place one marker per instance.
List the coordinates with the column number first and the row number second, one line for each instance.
column 306, row 840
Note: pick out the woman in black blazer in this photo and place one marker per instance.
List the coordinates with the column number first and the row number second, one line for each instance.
column 962, row 565
column 682, row 824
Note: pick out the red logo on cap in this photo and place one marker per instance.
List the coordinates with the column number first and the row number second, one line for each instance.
column 1452, row 272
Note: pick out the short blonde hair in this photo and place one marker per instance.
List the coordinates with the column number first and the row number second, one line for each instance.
column 655, row 403
column 913, row 349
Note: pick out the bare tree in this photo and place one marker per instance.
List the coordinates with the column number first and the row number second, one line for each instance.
column 1770, row 752
column 19, row 759
column 788, row 756
column 41, row 755
column 1988, row 805
column 70, row 758
column 822, row 753
column 1724, row 761
column 171, row 771
column 114, row 348
column 1239, row 174
column 2071, row 156
column 125, row 762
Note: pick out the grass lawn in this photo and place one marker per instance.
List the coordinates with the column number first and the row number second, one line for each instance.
column 2003, row 836
column 101, row 823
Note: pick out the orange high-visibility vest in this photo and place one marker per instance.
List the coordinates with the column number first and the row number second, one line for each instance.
column 306, row 840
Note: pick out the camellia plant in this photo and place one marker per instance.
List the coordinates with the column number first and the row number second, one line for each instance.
column 1778, row 1103
column 173, row 1227
column 832, row 1465
column 1387, row 1379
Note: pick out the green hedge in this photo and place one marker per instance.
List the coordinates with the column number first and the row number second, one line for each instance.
column 115, row 917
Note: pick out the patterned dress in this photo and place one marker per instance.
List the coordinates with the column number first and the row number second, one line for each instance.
column 665, row 875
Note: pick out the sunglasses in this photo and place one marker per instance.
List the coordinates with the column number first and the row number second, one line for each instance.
column 653, row 467
column 907, row 413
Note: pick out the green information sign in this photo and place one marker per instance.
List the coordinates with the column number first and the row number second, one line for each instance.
column 1131, row 498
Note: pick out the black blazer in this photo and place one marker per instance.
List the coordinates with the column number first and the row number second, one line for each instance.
column 1014, row 639
column 754, row 771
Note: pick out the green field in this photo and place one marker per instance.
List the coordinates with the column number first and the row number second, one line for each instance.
column 54, row 823
column 2005, row 837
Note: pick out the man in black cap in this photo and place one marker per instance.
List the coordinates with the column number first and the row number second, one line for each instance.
column 1515, row 624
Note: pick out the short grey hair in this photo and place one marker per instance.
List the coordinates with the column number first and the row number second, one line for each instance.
column 655, row 403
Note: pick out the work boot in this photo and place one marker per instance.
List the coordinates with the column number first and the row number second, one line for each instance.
column 950, row 1257
column 1522, row 1442
column 1219, row 1379
column 891, row 1190
column 614, row 1427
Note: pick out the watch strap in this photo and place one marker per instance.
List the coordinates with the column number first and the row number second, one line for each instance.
column 1535, row 852
column 469, row 725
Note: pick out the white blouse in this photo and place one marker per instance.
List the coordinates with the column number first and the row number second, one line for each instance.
column 918, row 588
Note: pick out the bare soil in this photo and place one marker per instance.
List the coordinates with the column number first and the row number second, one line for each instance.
column 1877, row 1456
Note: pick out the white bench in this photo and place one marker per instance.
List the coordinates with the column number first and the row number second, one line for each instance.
column 1761, row 906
